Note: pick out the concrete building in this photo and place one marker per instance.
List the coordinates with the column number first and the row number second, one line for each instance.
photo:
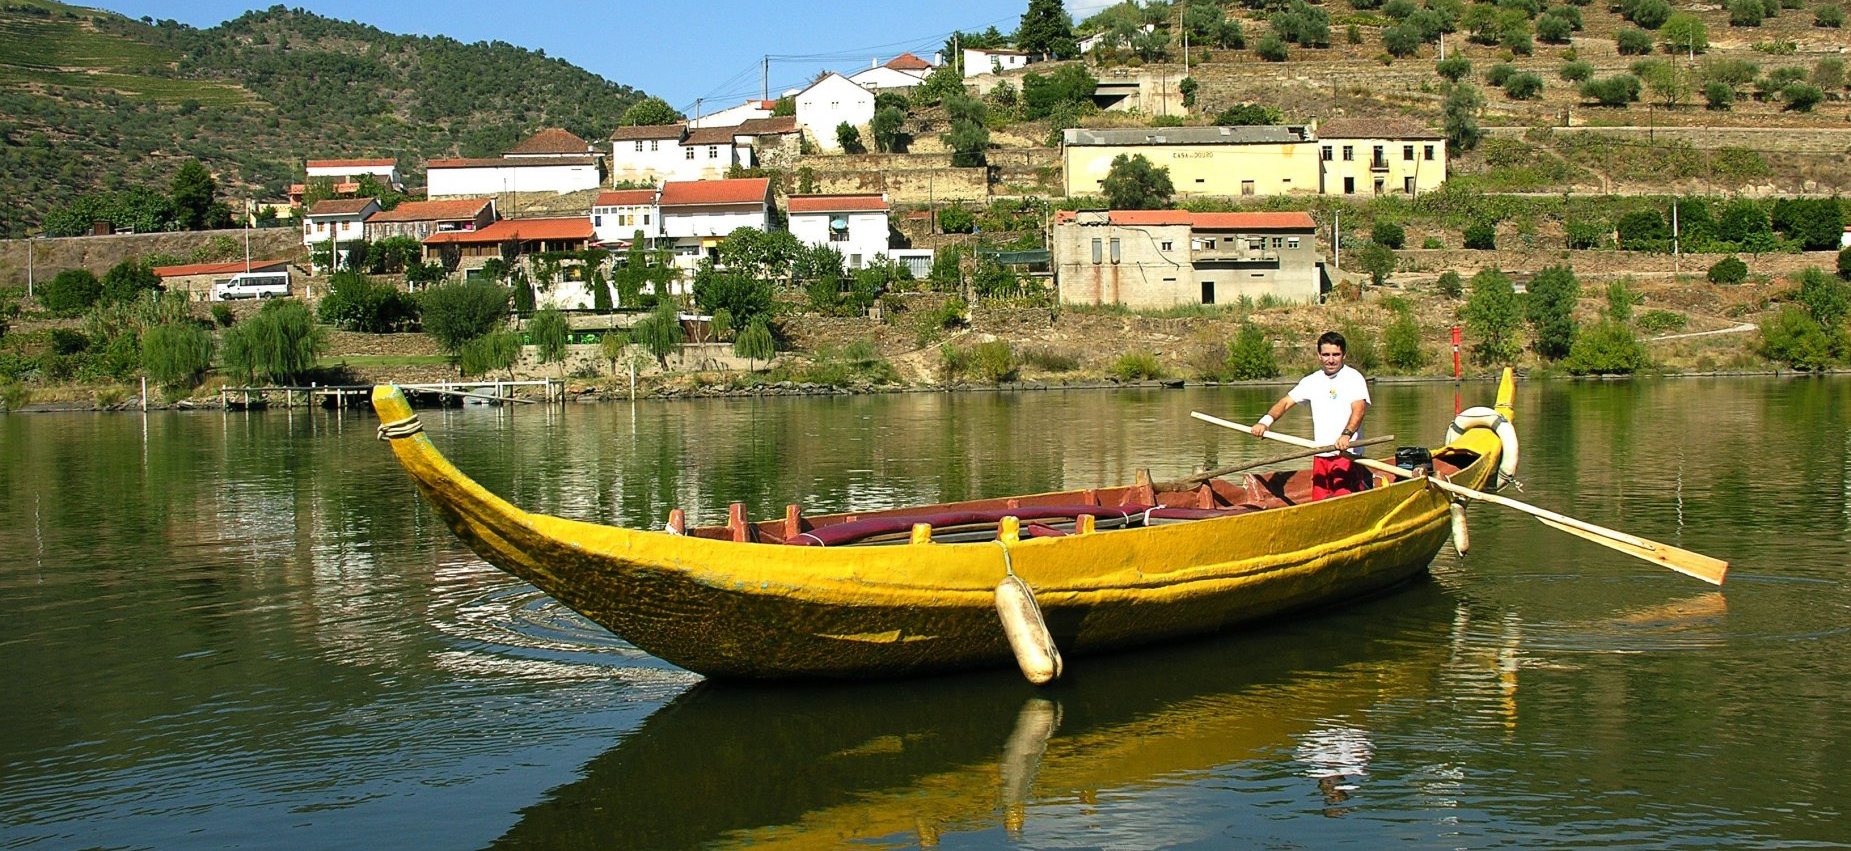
column 618, row 215
column 992, row 60
column 552, row 161
column 698, row 214
column 1364, row 156
column 647, row 153
column 901, row 72
column 707, row 153
column 340, row 219
column 344, row 171
column 855, row 225
column 419, row 219
column 1252, row 160
column 734, row 116
column 829, row 103
column 1156, row 259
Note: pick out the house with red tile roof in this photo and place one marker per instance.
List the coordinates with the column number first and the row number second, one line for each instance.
column 854, row 225
column 647, row 154
column 551, row 142
column 618, row 215
column 901, row 72
column 698, row 214
column 342, row 220
column 466, row 252
column 829, row 103
column 552, row 161
column 419, row 219
column 1157, row 259
column 735, row 115
column 343, row 171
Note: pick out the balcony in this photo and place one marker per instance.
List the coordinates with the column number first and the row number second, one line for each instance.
column 1378, row 164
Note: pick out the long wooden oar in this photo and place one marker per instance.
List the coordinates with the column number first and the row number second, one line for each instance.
column 1192, row 482
column 1684, row 561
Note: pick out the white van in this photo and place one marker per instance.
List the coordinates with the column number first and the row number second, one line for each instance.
column 251, row 285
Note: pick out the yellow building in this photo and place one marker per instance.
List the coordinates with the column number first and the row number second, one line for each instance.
column 1379, row 156
column 1250, row 160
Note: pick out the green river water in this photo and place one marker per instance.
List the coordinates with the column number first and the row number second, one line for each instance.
column 244, row 630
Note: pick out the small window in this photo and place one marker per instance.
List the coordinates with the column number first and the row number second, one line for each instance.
column 639, row 145
column 1349, row 153
column 1166, row 245
column 1098, row 251
column 1115, row 253
column 1291, row 242
column 1327, row 153
column 1246, row 187
column 653, row 143
column 689, row 154
column 1379, row 185
column 1407, row 152
column 597, row 221
column 1278, row 242
column 1209, row 243
column 1200, row 180
column 1427, row 153
column 1256, row 244
column 713, row 152
column 645, row 218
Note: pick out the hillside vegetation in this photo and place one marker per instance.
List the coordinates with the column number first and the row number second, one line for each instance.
column 93, row 101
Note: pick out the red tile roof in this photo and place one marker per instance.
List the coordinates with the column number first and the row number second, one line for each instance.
column 1374, row 128
column 387, row 163
column 697, row 193
column 552, row 140
column 517, row 162
column 710, row 136
column 341, row 206
column 648, row 131
column 523, row 230
column 1204, row 221
column 908, row 62
column 766, row 126
column 433, row 211
column 625, row 198
column 838, row 203
column 190, row 269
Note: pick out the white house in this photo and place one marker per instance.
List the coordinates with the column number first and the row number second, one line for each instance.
column 990, row 60
column 340, row 219
column 453, row 178
column 1092, row 42
column 901, row 72
column 344, row 171
column 754, row 139
column 617, row 215
column 647, row 153
column 830, row 102
column 735, row 116
column 855, row 225
column 698, row 214
column 707, row 154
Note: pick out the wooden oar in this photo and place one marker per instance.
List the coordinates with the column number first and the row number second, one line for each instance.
column 1191, row 482
column 1684, row 561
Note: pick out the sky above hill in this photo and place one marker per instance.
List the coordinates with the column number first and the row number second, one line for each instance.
column 714, row 52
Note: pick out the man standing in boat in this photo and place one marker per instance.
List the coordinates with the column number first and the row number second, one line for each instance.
column 1339, row 397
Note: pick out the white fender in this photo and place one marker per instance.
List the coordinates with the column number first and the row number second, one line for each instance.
column 1482, row 417
column 1028, row 633
column 1461, row 540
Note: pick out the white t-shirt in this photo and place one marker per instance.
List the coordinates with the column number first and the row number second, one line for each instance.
column 1330, row 397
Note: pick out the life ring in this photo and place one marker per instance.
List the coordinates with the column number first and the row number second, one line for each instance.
column 1482, row 417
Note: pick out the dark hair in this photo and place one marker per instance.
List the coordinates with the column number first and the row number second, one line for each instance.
column 1332, row 338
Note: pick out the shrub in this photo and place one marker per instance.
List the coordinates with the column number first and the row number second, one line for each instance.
column 1450, row 284
column 1793, row 338
column 358, row 303
column 1481, row 236
column 1454, row 69
column 848, row 138
column 1661, row 321
column 221, row 314
column 486, row 353
column 1554, row 30
column 1498, row 73
column 1643, row 230
column 1401, row 41
column 953, row 362
column 1270, row 48
column 956, row 219
column 1746, row 13
column 457, row 313
column 1524, row 86
column 1378, row 260
column 1801, row 97
column 1718, row 95
column 1578, row 71
column 1844, row 264
column 1492, row 316
column 1250, row 355
column 1617, row 90
column 1049, row 360
column 1137, row 366
column 1632, row 41
column 1608, row 348
column 1829, row 16
column 1433, row 243
column 1389, row 234
column 1550, row 308
column 994, row 361
column 71, row 292
column 64, row 341
column 1585, row 234
column 127, row 280
column 1402, row 343
column 276, row 345
column 1728, row 270
column 1650, row 14
column 1825, row 298
column 176, row 354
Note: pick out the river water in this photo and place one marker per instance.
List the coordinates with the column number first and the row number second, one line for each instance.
column 244, row 629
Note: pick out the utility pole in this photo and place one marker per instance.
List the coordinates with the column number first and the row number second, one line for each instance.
column 764, row 79
column 31, row 252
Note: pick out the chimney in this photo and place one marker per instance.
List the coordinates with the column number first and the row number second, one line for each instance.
column 873, row 62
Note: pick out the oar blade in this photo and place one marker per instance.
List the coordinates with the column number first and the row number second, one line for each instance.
column 1695, row 565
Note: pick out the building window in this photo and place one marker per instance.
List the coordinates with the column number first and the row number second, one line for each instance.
column 645, row 219
column 639, row 146
column 1349, row 153
column 1098, row 251
column 1256, row 244
column 689, row 154
column 1378, row 159
column 1407, row 152
column 1349, row 186
column 653, row 143
column 1166, row 245
column 1291, row 242
column 1327, row 153
column 1246, row 187
column 713, row 152
column 597, row 221
column 1278, row 242
column 1115, row 252
column 1208, row 292
column 1427, row 153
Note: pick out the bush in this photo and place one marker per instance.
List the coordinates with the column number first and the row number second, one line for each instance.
column 956, row 220
column 358, row 303
column 1389, row 234
column 221, row 315
column 454, row 314
column 1137, row 366
column 1718, row 95
column 1402, row 344
column 1728, row 270
column 1401, row 41
column 489, row 352
column 1832, row 17
column 1825, row 298
column 276, row 345
column 127, row 280
column 994, row 361
column 953, row 362
column 1454, row 69
column 1793, row 338
column 71, row 292
column 1585, row 234
column 1250, row 355
column 1643, row 230
column 1498, row 73
column 1578, row 71
column 848, row 138
column 1608, row 348
column 1450, row 284
column 1270, row 48
column 1661, row 321
column 1481, row 236
column 1650, row 14
column 1801, row 97
column 1524, row 86
column 1844, row 264
column 1632, row 41
column 175, row 355
column 1550, row 307
column 1554, row 30
column 1617, row 90
column 1378, row 260
column 1492, row 316
column 1746, row 13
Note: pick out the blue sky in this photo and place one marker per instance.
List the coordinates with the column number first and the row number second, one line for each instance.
column 677, row 51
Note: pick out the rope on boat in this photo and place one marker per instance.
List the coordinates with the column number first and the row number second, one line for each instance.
column 400, row 429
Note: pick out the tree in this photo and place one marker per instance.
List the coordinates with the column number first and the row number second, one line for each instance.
column 612, row 346
column 1481, row 236
column 1450, row 285
column 755, row 343
column 1643, row 230
column 358, row 303
column 741, row 296
column 758, row 254
column 1492, row 315
column 1523, row 86
column 967, row 137
column 600, row 290
column 649, row 110
column 1617, row 90
column 1069, row 85
column 1132, row 183
column 1825, row 298
column 1608, row 348
column 1271, row 48
column 549, row 333
column 1250, row 355
column 1046, row 29
column 1459, row 119
column 127, row 280
column 176, row 354
column 1550, row 306
column 1379, row 261
column 1401, row 342
column 277, row 345
column 849, row 139
column 1454, row 68
column 1620, row 301
column 489, row 352
column 1632, row 41
column 1401, row 41
column 71, row 292
column 885, row 128
column 1685, row 33
column 194, row 190
column 457, row 313
column 660, row 332
column 1746, row 13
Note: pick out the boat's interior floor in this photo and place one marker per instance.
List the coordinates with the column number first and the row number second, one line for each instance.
column 1053, row 514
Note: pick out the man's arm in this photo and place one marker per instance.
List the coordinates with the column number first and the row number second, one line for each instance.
column 1357, row 409
column 1278, row 410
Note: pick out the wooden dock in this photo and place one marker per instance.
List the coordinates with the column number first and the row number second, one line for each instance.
column 553, row 391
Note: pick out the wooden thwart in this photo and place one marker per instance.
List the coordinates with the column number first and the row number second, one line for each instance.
column 1684, row 561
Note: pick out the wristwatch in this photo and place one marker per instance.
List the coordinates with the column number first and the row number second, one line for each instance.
column 1349, row 432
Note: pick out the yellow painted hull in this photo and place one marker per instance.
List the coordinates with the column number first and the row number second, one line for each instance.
column 758, row 611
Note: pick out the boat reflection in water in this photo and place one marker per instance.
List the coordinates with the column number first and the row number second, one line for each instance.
column 821, row 766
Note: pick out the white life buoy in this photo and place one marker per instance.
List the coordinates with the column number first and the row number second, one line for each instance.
column 1028, row 634
column 1462, row 540
column 1482, row 417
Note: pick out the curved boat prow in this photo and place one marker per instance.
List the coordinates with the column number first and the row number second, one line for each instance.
column 1507, row 394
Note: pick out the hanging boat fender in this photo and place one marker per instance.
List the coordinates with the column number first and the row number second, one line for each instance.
column 1027, row 630
column 1482, row 417
column 1462, row 541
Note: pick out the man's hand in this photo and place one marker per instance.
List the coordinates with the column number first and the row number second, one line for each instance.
column 1259, row 429
column 1343, row 442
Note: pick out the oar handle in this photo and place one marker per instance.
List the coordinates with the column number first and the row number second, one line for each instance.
column 1294, row 440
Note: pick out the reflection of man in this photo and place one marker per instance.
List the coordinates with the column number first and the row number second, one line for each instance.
column 1334, row 756
column 1339, row 396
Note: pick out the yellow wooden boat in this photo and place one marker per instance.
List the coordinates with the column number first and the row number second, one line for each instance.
column 876, row 593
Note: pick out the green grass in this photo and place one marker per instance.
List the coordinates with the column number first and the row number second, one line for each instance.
column 38, row 51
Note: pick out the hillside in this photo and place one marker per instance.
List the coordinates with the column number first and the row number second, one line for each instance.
column 91, row 100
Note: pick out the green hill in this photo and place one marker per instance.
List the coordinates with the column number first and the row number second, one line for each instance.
column 93, row 101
